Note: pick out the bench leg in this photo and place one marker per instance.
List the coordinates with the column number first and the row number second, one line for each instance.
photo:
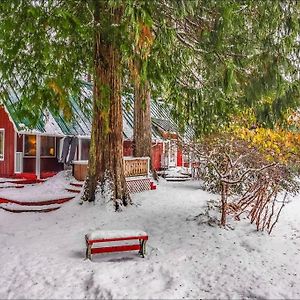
column 88, row 253
column 142, row 251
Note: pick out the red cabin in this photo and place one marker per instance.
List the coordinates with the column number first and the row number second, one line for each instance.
column 38, row 151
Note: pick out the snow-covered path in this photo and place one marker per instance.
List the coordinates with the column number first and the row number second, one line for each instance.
column 42, row 255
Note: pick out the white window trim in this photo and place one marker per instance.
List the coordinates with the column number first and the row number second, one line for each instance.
column 3, row 130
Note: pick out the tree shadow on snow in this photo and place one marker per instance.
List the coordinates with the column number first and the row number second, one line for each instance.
column 77, row 254
column 110, row 257
column 116, row 257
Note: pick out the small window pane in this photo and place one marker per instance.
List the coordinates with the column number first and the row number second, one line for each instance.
column 1, row 143
column 29, row 145
column 47, row 146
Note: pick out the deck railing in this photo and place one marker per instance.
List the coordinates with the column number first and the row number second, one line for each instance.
column 133, row 167
column 136, row 166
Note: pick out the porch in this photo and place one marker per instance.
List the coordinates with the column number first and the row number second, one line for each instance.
column 41, row 156
column 133, row 167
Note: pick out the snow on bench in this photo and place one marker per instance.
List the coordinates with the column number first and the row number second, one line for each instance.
column 106, row 236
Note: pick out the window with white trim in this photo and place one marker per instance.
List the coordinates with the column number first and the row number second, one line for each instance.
column 48, row 146
column 1, row 144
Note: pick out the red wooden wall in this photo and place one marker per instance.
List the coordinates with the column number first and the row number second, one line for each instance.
column 127, row 148
column 157, row 150
column 179, row 156
column 7, row 166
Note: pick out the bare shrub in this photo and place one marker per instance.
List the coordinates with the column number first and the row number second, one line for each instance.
column 239, row 172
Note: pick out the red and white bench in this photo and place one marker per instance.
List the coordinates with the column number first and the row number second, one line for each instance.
column 104, row 236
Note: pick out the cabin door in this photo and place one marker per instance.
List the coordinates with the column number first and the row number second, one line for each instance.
column 172, row 154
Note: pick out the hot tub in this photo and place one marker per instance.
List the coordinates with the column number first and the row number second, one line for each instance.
column 80, row 169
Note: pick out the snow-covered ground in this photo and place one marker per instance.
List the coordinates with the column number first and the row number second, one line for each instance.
column 53, row 188
column 42, row 255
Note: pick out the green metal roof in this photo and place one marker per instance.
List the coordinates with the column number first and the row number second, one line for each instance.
column 81, row 124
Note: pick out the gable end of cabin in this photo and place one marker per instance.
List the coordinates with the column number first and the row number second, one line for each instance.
column 7, row 144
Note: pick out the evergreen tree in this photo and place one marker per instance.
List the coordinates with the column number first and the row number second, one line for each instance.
column 245, row 54
column 49, row 46
column 207, row 59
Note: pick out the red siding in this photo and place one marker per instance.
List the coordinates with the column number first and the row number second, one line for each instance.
column 157, row 151
column 179, row 157
column 127, row 148
column 7, row 166
column 29, row 165
column 51, row 165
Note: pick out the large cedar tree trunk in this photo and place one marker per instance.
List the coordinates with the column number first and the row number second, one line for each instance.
column 142, row 133
column 105, row 169
column 142, row 120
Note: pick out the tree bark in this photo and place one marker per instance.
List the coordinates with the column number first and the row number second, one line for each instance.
column 106, row 165
column 142, row 120
column 142, row 132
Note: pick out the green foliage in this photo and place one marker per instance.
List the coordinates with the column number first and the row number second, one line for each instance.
column 45, row 49
column 243, row 53
column 207, row 59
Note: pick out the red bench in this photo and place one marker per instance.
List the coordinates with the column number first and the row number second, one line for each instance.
column 103, row 236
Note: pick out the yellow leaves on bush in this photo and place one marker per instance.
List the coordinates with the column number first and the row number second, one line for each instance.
column 276, row 145
column 243, row 118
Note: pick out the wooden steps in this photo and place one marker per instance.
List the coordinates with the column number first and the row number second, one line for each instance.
column 77, row 184
column 37, row 203
column 15, row 206
column 42, row 210
column 178, row 179
column 12, row 187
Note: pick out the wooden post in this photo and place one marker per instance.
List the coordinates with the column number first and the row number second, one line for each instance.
column 148, row 167
column 88, row 253
column 79, row 148
column 38, row 157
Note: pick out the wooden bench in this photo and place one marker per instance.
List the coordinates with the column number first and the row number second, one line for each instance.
column 103, row 236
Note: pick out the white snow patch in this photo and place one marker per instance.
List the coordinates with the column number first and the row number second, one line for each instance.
column 42, row 255
column 114, row 234
column 52, row 189
column 51, row 126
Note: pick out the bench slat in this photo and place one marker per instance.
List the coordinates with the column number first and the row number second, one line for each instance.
column 115, row 249
column 90, row 242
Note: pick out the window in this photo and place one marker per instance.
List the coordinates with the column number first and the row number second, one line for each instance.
column 29, row 145
column 48, row 146
column 85, row 148
column 1, row 144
